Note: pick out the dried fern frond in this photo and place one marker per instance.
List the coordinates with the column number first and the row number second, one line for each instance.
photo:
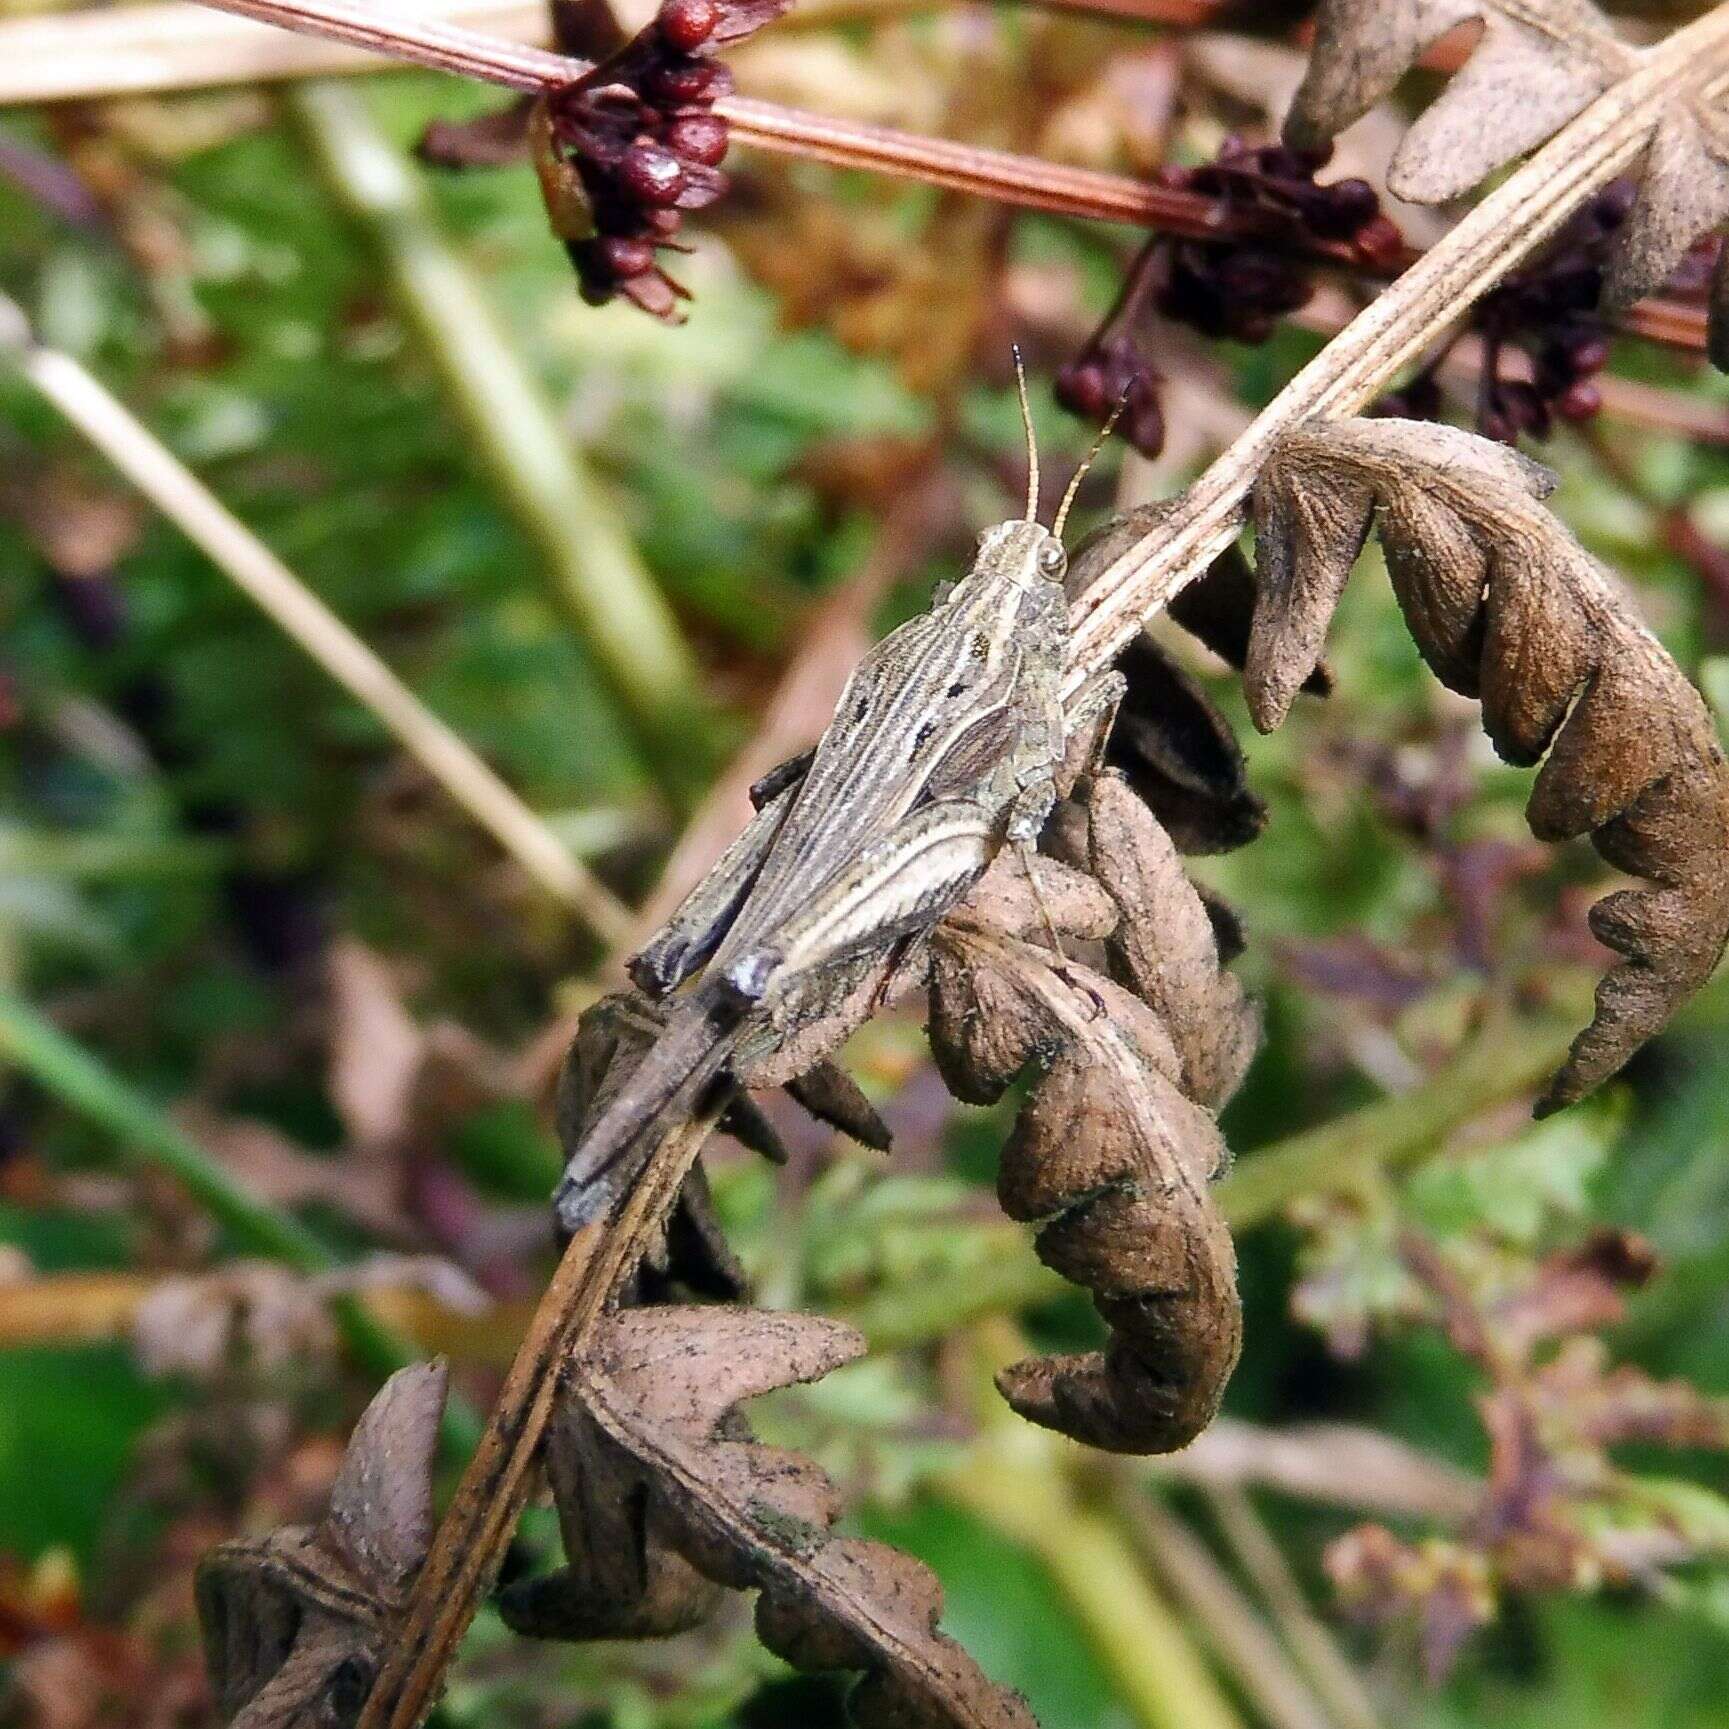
column 661, row 1501
column 1506, row 606
column 1540, row 62
column 294, row 1623
column 1114, row 1149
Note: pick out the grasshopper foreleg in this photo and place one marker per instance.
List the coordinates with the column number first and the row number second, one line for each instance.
column 1089, row 721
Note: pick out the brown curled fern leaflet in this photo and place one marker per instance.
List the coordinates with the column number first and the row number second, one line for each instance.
column 1607, row 137
column 292, row 1621
column 662, row 1499
column 1506, row 606
column 1115, row 1149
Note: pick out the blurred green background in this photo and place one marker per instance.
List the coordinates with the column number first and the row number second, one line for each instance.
column 253, row 916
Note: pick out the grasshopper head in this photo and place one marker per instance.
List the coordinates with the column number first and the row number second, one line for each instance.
column 1025, row 553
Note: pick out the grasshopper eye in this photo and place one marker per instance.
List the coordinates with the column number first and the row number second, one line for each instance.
column 1053, row 561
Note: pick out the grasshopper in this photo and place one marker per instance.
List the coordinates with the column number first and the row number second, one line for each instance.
column 945, row 746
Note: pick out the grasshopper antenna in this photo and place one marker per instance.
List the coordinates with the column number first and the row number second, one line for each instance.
column 1032, row 443
column 1080, row 473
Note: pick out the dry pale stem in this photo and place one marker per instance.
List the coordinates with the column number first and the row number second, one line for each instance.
column 247, row 562
column 495, row 1485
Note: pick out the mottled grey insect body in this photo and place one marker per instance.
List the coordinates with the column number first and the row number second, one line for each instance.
column 944, row 746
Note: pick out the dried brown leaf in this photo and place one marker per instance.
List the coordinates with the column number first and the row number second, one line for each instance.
column 1111, row 1154
column 1165, row 946
column 1684, row 193
column 1539, row 63
column 1181, row 754
column 294, row 1621
column 1506, row 606
column 659, row 1496
column 1177, row 750
column 376, row 1049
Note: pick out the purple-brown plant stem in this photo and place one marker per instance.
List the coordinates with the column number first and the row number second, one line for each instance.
column 1027, row 181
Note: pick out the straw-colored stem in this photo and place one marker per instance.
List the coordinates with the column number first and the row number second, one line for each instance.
column 1027, row 181
column 1239, row 1637
column 586, row 560
column 248, row 563
column 1326, row 1666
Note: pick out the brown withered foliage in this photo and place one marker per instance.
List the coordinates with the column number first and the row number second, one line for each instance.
column 613, row 1037
column 1115, row 1147
column 1507, row 607
column 1538, row 64
column 294, row 1621
column 664, row 1500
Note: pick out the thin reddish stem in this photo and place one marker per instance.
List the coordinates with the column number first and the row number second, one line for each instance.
column 1027, row 181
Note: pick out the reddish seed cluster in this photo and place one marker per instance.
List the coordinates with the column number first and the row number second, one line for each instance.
column 640, row 133
column 1240, row 289
column 1235, row 289
column 1549, row 313
column 1109, row 370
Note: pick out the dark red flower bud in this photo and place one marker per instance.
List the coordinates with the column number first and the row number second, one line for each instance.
column 700, row 81
column 1579, row 401
column 700, row 137
column 624, row 257
column 687, row 24
column 651, row 175
column 1379, row 242
column 1080, row 388
column 1353, row 202
column 1587, row 354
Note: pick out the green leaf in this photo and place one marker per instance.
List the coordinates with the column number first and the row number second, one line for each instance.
column 68, row 1422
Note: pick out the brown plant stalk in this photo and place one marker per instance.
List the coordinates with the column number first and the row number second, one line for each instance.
column 1028, row 182
column 496, row 1482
